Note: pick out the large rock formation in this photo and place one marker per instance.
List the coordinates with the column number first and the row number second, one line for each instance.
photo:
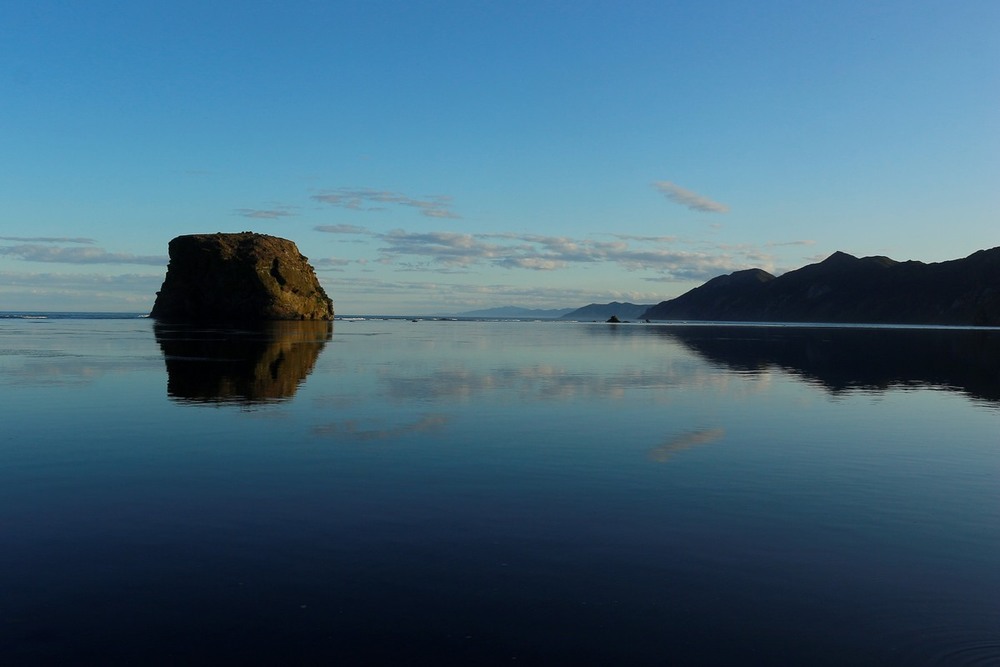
column 239, row 277
column 843, row 288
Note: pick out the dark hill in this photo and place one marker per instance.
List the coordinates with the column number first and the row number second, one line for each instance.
column 843, row 288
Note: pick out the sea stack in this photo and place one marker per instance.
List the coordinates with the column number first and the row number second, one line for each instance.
column 244, row 277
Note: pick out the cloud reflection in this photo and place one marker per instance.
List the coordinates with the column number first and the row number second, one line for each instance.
column 351, row 429
column 523, row 383
column 685, row 441
column 40, row 368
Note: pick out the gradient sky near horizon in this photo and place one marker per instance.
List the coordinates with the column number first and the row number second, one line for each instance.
column 439, row 157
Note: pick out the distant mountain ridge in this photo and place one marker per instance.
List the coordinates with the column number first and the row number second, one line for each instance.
column 602, row 311
column 843, row 288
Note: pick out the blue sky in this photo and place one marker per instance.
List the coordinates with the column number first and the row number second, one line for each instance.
column 447, row 156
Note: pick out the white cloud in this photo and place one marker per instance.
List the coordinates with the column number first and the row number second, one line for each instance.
column 46, row 239
column 125, row 281
column 692, row 200
column 267, row 213
column 448, row 248
column 78, row 291
column 42, row 253
column 647, row 239
column 533, row 263
column 549, row 253
column 368, row 199
column 434, row 296
column 780, row 244
column 334, row 263
column 342, row 229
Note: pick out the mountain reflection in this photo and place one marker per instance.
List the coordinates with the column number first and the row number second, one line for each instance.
column 841, row 359
column 258, row 364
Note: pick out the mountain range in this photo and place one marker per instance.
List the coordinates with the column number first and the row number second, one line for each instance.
column 843, row 288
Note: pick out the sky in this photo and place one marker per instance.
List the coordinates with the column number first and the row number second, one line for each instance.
column 445, row 156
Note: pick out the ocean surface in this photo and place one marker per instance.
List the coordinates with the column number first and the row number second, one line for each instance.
column 393, row 492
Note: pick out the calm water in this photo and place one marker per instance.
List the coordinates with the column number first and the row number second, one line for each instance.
column 476, row 493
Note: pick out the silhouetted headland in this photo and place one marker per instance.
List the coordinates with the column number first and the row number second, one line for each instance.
column 843, row 288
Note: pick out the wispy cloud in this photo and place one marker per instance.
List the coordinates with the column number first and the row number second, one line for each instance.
column 335, row 263
column 43, row 253
column 67, row 291
column 647, row 239
column 368, row 199
column 667, row 258
column 448, row 248
column 442, row 296
column 781, row 244
column 343, row 229
column 46, row 239
column 267, row 213
column 692, row 200
column 83, row 281
column 548, row 253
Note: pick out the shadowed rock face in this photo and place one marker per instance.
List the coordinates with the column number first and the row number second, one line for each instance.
column 239, row 277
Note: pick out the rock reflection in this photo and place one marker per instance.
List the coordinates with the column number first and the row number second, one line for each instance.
column 685, row 441
column 246, row 365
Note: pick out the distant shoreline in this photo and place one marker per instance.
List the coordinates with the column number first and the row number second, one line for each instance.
column 97, row 315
